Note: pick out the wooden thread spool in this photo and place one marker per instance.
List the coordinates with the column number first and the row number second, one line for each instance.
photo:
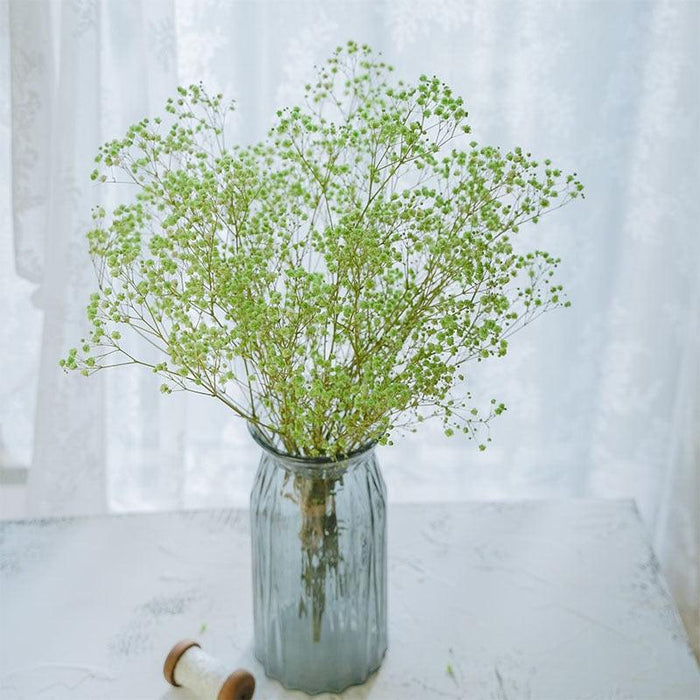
column 189, row 667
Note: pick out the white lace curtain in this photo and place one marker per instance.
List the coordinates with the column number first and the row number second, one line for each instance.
column 603, row 398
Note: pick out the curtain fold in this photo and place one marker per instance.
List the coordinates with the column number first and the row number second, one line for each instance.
column 32, row 93
column 603, row 399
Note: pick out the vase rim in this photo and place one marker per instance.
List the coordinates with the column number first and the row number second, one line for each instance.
column 258, row 436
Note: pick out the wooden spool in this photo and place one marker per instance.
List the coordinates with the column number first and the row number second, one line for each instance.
column 239, row 685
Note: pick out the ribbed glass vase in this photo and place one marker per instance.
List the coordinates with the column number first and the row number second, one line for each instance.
column 318, row 531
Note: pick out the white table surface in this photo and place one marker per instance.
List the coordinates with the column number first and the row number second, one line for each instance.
column 528, row 600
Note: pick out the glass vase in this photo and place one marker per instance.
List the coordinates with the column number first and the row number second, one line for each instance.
column 318, row 532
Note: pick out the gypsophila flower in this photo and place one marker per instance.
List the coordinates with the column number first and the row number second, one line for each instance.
column 330, row 283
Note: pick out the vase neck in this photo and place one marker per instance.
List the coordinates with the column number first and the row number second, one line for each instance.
column 311, row 464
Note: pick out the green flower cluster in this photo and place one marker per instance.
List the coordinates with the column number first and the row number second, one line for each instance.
column 329, row 283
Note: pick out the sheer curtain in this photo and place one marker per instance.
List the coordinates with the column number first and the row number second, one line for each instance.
column 603, row 398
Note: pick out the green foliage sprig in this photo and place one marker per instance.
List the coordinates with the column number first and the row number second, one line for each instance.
column 330, row 283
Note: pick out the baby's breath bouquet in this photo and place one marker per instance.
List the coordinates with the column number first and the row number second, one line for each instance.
column 330, row 283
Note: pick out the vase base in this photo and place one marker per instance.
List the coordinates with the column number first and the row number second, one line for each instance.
column 327, row 688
